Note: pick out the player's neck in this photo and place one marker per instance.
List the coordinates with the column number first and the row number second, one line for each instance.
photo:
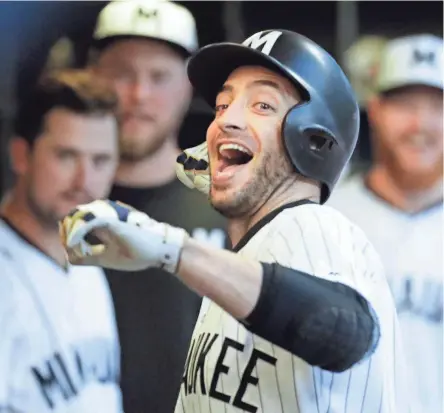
column 24, row 221
column 292, row 190
column 155, row 170
column 408, row 193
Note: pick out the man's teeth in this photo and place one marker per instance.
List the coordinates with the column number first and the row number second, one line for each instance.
column 227, row 146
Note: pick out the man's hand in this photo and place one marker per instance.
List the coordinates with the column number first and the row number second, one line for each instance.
column 192, row 168
column 114, row 235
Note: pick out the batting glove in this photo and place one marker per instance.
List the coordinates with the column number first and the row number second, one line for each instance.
column 192, row 168
column 114, row 235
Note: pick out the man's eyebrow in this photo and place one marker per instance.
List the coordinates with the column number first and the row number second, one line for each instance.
column 260, row 82
column 283, row 90
column 265, row 82
column 226, row 88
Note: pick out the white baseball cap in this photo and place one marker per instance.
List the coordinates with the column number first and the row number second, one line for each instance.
column 361, row 63
column 412, row 60
column 152, row 19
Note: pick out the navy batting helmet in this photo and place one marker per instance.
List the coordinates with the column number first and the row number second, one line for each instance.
column 320, row 133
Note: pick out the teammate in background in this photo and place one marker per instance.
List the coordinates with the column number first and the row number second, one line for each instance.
column 141, row 49
column 301, row 319
column 398, row 202
column 59, row 348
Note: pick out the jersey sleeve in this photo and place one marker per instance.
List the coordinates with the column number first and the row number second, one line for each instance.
column 320, row 241
column 14, row 343
column 108, row 298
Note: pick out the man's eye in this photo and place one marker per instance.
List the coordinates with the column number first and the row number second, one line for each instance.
column 263, row 106
column 160, row 77
column 218, row 108
column 65, row 155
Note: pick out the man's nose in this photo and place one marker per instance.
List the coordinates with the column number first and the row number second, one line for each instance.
column 233, row 118
column 140, row 90
column 84, row 175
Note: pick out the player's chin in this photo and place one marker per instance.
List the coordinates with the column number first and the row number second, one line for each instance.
column 228, row 202
column 226, row 196
column 222, row 192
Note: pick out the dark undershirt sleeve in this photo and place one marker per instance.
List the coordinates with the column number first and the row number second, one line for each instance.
column 325, row 323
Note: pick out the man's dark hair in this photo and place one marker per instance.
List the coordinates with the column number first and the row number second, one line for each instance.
column 76, row 90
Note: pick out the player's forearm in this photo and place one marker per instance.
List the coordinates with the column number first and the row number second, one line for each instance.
column 231, row 281
column 325, row 323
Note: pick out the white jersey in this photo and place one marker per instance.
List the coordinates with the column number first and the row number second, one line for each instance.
column 230, row 370
column 411, row 248
column 59, row 349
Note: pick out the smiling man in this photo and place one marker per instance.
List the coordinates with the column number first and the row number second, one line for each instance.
column 299, row 316
column 399, row 200
column 235, row 138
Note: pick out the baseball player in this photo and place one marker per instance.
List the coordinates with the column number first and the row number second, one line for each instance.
column 299, row 316
column 59, row 349
column 398, row 200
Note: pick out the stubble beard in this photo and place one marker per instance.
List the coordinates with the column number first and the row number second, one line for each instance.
column 46, row 216
column 133, row 151
column 266, row 178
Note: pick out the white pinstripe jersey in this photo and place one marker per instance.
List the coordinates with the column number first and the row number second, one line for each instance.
column 231, row 370
column 411, row 248
column 59, row 349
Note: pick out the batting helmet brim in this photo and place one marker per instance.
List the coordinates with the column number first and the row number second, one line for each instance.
column 210, row 67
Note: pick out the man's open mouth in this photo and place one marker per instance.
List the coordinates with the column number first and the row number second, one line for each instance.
column 232, row 155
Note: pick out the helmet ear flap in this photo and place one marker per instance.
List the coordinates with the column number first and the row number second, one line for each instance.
column 313, row 148
column 320, row 139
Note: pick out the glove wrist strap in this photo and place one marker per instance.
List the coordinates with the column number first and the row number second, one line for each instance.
column 171, row 248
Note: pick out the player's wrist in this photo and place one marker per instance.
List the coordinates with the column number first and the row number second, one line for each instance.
column 189, row 257
column 170, row 246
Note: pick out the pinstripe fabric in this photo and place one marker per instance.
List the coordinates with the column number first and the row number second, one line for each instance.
column 250, row 374
column 59, row 349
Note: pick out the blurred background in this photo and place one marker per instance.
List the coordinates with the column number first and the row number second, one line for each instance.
column 29, row 30
column 398, row 203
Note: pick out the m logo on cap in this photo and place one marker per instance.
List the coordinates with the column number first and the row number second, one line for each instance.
column 147, row 14
column 423, row 57
column 146, row 18
column 267, row 41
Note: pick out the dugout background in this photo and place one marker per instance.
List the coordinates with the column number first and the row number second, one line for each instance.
column 28, row 30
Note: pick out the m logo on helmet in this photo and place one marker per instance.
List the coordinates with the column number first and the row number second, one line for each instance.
column 267, row 41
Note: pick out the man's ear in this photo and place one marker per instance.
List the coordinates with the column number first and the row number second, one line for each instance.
column 374, row 109
column 19, row 152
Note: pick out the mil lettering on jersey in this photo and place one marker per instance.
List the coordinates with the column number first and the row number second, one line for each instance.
column 62, row 377
column 195, row 366
column 267, row 41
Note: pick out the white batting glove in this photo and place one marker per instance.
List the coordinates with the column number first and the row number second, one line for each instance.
column 192, row 168
column 114, row 235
